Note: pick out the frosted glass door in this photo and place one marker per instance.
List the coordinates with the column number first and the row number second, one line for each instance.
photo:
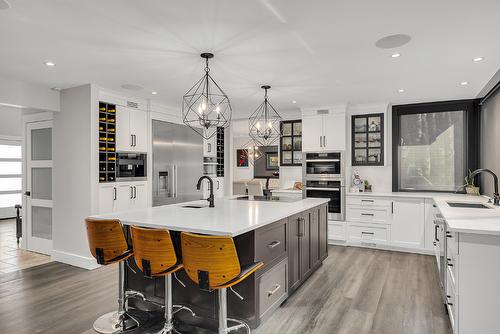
column 39, row 187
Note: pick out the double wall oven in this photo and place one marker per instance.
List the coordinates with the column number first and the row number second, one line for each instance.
column 323, row 177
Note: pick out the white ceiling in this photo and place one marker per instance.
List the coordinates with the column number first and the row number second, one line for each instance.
column 317, row 52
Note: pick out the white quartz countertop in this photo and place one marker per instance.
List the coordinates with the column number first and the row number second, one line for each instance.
column 229, row 217
column 469, row 220
column 466, row 220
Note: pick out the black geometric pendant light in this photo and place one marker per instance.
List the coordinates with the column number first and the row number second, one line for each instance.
column 264, row 123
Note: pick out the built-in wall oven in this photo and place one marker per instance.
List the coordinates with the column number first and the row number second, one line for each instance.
column 323, row 177
column 130, row 166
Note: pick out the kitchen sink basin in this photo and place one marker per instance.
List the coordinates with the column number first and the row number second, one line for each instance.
column 468, row 205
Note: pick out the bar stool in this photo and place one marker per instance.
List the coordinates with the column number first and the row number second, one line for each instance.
column 108, row 245
column 155, row 256
column 212, row 263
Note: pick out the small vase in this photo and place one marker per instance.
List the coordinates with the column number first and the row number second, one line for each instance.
column 472, row 191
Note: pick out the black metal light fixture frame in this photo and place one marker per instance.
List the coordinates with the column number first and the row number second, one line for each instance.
column 264, row 123
column 205, row 106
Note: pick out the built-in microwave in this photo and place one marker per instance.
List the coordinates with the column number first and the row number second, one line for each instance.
column 130, row 166
column 324, row 165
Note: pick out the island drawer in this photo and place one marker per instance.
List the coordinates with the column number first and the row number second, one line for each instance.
column 273, row 288
column 270, row 242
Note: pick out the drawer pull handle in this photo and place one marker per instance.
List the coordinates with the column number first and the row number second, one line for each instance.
column 370, row 233
column 367, row 214
column 274, row 244
column 273, row 291
column 367, row 200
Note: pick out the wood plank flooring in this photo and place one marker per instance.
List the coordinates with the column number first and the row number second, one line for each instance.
column 356, row 291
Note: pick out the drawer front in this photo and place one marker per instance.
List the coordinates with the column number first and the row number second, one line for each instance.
column 367, row 215
column 452, row 266
column 273, row 288
column 368, row 234
column 336, row 231
column 270, row 243
column 368, row 202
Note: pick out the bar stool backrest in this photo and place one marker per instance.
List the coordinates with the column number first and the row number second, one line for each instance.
column 106, row 240
column 154, row 251
column 209, row 261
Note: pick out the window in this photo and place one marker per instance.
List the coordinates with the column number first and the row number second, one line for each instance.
column 10, row 176
column 434, row 144
column 291, row 143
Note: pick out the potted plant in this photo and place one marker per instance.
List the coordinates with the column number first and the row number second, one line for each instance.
column 469, row 186
column 368, row 186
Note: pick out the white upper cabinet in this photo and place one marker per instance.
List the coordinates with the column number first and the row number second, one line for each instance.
column 312, row 133
column 334, row 126
column 131, row 130
column 323, row 130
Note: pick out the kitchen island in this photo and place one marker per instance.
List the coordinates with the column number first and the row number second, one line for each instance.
column 288, row 235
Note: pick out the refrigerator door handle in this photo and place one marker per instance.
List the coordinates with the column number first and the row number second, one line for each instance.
column 175, row 182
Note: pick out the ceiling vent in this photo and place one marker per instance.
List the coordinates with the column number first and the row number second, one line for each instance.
column 132, row 104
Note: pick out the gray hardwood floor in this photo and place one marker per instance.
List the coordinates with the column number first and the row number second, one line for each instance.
column 356, row 291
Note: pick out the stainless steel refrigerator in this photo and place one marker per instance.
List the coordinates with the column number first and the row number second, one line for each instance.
column 177, row 163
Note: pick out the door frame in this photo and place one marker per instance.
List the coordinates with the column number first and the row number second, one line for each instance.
column 18, row 140
column 28, row 119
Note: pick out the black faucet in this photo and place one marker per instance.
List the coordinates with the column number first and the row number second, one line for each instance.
column 210, row 198
column 496, row 196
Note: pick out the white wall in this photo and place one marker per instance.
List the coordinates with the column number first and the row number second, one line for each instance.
column 11, row 121
column 27, row 95
column 490, row 141
column 379, row 176
column 75, row 174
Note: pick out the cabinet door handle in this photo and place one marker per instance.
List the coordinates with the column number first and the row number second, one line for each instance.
column 131, row 192
column 448, row 235
column 131, row 140
column 217, row 185
column 320, row 141
column 273, row 291
column 114, row 193
column 135, row 192
column 392, row 207
column 300, row 232
column 274, row 244
column 209, row 147
column 436, row 233
column 324, row 141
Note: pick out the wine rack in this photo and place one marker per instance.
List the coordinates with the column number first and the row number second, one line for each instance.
column 107, row 142
column 220, row 151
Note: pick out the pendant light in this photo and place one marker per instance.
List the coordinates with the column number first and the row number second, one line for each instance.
column 264, row 123
column 205, row 107
column 253, row 150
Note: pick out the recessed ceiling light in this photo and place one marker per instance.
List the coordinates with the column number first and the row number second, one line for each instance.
column 396, row 55
column 154, row 93
column 4, row 4
column 57, row 89
column 49, row 63
column 401, row 90
column 464, row 83
column 294, row 101
column 477, row 59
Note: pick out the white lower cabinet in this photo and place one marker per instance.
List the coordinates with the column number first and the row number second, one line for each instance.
column 386, row 221
column 336, row 231
column 408, row 223
column 122, row 196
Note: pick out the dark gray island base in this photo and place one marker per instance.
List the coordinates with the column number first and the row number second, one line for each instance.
column 291, row 250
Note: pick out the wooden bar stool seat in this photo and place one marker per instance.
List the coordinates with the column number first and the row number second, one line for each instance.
column 155, row 256
column 108, row 245
column 212, row 263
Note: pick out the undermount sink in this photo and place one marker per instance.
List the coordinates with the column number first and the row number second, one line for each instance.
column 468, row 205
column 193, row 206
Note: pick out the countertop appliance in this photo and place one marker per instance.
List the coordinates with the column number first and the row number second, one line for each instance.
column 131, row 166
column 440, row 247
column 177, row 163
column 323, row 177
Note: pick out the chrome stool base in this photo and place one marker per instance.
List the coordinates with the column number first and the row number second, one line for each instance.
column 114, row 322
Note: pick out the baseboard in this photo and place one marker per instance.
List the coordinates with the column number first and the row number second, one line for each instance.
column 381, row 246
column 75, row 260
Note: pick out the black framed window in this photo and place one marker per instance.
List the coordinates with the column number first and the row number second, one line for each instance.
column 291, row 143
column 434, row 145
